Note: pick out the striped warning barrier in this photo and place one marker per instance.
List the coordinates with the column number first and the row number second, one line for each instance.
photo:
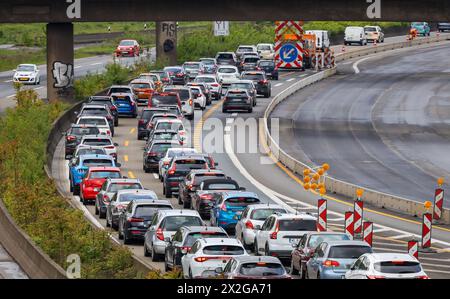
column 358, row 210
column 438, row 203
column 413, row 248
column 348, row 227
column 288, row 32
column 426, row 230
column 368, row 232
column 322, row 215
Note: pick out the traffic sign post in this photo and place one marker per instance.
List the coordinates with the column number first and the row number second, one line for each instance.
column 221, row 28
column 438, row 200
column 413, row 248
column 358, row 210
column 348, row 228
column 368, row 232
column 322, row 215
column 288, row 44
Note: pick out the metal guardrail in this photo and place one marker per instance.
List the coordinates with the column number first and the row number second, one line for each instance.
column 378, row 199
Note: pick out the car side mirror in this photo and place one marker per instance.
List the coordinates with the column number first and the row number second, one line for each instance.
column 116, row 144
column 118, row 165
column 218, row 270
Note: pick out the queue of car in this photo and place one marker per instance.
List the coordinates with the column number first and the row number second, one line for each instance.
column 221, row 229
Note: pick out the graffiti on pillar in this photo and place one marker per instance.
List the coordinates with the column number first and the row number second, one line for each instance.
column 74, row 9
column 374, row 9
column 63, row 75
column 170, row 29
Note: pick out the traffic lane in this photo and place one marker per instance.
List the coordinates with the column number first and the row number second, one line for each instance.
column 337, row 117
column 9, row 269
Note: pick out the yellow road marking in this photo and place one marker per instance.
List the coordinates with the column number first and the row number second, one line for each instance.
column 131, row 175
column 125, row 158
column 199, row 126
column 132, row 130
column 127, row 143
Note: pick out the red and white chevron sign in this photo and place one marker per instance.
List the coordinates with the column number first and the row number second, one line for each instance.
column 293, row 29
column 438, row 203
column 322, row 215
column 368, row 232
column 348, row 228
column 413, row 248
column 426, row 230
column 358, row 210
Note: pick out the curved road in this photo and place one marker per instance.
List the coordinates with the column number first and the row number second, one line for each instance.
column 386, row 128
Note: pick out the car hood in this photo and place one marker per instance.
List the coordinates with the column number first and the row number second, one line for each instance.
column 24, row 73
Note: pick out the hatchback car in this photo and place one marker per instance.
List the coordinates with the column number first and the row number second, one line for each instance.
column 128, row 47
column 254, row 267
column 245, row 49
column 269, row 67
column 164, row 75
column 210, row 65
column 211, row 82
column 144, row 117
column 246, row 85
column 164, row 163
column 423, row 28
column 73, row 137
column 119, row 89
column 93, row 181
column 177, row 75
column 126, row 104
column 154, row 77
column 193, row 69
column 199, row 97
column 226, row 73
column 163, row 226
column 27, row 74
column 99, row 121
column 204, row 89
column 263, row 85
column 237, row 99
column 143, row 89
column 226, row 58
column 109, row 101
column 105, row 142
column 90, row 109
column 186, row 98
column 374, row 33
column 249, row 63
column 164, row 99
column 266, row 51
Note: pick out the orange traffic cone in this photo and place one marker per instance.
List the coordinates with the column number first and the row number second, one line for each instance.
column 343, row 49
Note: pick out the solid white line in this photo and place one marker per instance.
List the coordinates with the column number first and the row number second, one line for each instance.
column 381, row 230
column 304, row 75
column 381, row 249
column 389, row 244
column 355, row 65
column 401, row 236
column 289, row 80
column 7, row 81
column 435, row 265
column 155, row 175
column 278, row 84
column 234, row 114
column 77, row 67
column 11, row 96
column 227, row 129
column 437, row 271
column 37, row 88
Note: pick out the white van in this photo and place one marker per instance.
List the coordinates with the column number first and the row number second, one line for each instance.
column 355, row 35
column 322, row 39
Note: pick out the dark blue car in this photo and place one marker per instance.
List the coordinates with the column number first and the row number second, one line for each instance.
column 126, row 104
column 269, row 67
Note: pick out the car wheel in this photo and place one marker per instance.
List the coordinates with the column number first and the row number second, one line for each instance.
column 180, row 202
column 120, row 233
column 250, row 110
column 101, row 215
column 190, row 117
column 293, row 270
column 267, row 250
column 255, row 247
column 190, row 274
column 302, row 272
column 168, row 194
column 166, row 266
column 146, row 252
column 126, row 241
column 224, row 110
column 76, row 190
column 318, row 275
column 306, row 274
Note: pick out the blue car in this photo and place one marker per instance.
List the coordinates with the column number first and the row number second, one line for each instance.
column 229, row 207
column 126, row 104
column 79, row 166
column 422, row 28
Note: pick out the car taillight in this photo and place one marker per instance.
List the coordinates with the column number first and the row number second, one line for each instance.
column 375, row 277
column 223, row 207
column 215, row 85
column 120, row 207
column 133, row 219
column 207, row 197
column 264, row 82
column 189, row 186
column 71, row 138
column 108, row 132
column 185, row 249
column 152, row 154
column 109, row 147
column 190, row 102
column 113, row 108
column 132, row 104
column 249, row 225
column 166, row 162
column 422, row 277
column 330, row 263
column 165, row 79
column 141, row 121
column 274, row 235
column 172, row 170
column 105, row 198
column 159, row 234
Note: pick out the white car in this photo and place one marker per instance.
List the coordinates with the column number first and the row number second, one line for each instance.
column 374, row 33
column 322, row 39
column 100, row 121
column 252, row 216
column 187, row 100
column 355, row 34
column 210, row 254
column 172, row 152
column 199, row 97
column 245, row 49
column 27, row 74
column 162, row 228
column 211, row 82
column 276, row 236
column 172, row 125
column 103, row 141
column 386, row 265
column 265, row 51
column 227, row 73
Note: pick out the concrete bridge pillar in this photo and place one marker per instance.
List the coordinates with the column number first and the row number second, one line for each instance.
column 166, row 42
column 60, row 62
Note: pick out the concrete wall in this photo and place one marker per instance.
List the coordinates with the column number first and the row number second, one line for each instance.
column 378, row 199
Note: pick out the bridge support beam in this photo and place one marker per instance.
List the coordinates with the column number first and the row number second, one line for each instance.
column 60, row 62
column 166, row 42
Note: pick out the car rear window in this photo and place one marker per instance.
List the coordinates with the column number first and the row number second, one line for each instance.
column 315, row 240
column 147, row 114
column 225, row 56
column 221, row 186
column 97, row 162
column 370, row 29
column 133, row 196
column 190, row 164
column 235, row 94
column 184, row 152
column 223, row 250
column 191, row 66
column 84, row 131
column 263, row 47
column 251, row 60
column 262, row 269
column 105, row 174
column 161, row 147
column 119, row 90
column 154, row 78
column 253, row 77
column 192, row 237
column 122, row 100
column 245, row 49
column 97, row 142
column 172, row 223
column 158, row 100
column 397, row 267
column 114, row 187
column 240, row 86
column 205, row 176
column 348, row 251
column 183, row 93
column 169, row 126
column 266, row 63
column 173, row 70
column 204, row 80
column 148, row 211
column 262, row 214
column 297, row 225
column 241, row 201
column 226, row 70
column 164, row 136
column 92, row 121
column 89, row 151
column 140, row 85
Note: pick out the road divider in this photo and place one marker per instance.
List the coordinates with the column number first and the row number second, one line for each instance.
column 375, row 198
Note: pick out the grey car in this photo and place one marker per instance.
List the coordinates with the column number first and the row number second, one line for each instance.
column 247, row 85
column 254, row 267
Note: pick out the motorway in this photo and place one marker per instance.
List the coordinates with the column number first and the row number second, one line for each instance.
column 383, row 128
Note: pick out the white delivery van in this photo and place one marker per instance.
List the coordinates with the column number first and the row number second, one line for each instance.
column 322, row 39
column 355, row 35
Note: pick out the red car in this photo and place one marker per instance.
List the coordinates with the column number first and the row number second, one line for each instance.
column 128, row 47
column 94, row 179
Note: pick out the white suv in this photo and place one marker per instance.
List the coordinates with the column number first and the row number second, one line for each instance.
column 252, row 216
column 103, row 141
column 211, row 82
column 276, row 236
column 170, row 153
column 209, row 254
column 227, row 73
column 100, row 121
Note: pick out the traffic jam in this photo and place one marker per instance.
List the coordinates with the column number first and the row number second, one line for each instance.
column 215, row 227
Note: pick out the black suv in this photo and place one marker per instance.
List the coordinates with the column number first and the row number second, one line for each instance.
column 259, row 78
column 237, row 99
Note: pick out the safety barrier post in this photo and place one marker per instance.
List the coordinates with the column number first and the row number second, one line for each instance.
column 358, row 210
column 348, row 228
column 438, row 200
column 426, row 231
column 322, row 215
column 368, row 232
column 413, row 248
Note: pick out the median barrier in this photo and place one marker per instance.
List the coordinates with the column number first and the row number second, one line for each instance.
column 375, row 198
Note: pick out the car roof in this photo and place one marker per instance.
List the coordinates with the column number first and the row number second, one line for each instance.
column 179, row 212
column 83, row 126
column 243, row 81
column 145, row 202
column 137, row 191
column 295, row 216
column 181, row 149
column 165, row 142
column 171, row 120
column 89, row 105
column 206, row 76
column 388, row 256
column 258, row 206
column 233, row 193
column 216, row 241
column 140, row 81
column 346, row 242
column 246, row 46
column 203, row 171
column 191, row 229
column 95, row 156
column 123, row 180
column 191, row 156
column 120, row 86
column 104, row 168
column 164, row 131
column 92, row 116
column 256, row 259
column 99, row 136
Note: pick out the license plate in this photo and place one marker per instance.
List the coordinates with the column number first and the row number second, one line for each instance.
column 23, row 79
column 342, row 276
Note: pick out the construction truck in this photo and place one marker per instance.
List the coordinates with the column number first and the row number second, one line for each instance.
column 309, row 49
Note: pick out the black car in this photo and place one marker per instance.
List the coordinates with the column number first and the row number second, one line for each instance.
column 237, row 99
column 443, row 27
column 183, row 240
column 144, row 117
column 109, row 101
column 209, row 190
column 154, row 152
column 189, row 184
column 247, row 85
column 177, row 75
column 269, row 67
column 178, row 168
column 136, row 218
column 259, row 78
column 164, row 76
column 73, row 137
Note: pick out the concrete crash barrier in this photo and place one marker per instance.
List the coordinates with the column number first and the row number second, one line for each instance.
column 34, row 262
column 375, row 198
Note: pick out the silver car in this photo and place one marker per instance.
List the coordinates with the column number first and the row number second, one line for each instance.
column 119, row 202
column 172, row 152
column 211, row 82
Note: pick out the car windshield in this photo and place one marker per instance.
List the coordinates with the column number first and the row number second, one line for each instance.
column 223, row 250
column 263, row 47
column 84, row 131
column 25, row 68
column 241, row 201
column 92, row 121
column 262, row 214
column 254, row 77
column 97, row 142
column 164, row 100
column 220, row 186
column 172, row 223
column 292, row 225
column 114, row 187
column 91, row 151
column 315, row 240
column 226, row 70
column 190, row 164
column 397, row 267
column 148, row 211
column 97, row 162
column 133, row 196
column 140, row 85
column 105, row 174
column 204, row 80
column 185, row 152
column 169, row 126
column 192, row 237
column 370, row 29
column 126, row 43
column 262, row 269
column 348, row 251
column 161, row 148
column 241, row 86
